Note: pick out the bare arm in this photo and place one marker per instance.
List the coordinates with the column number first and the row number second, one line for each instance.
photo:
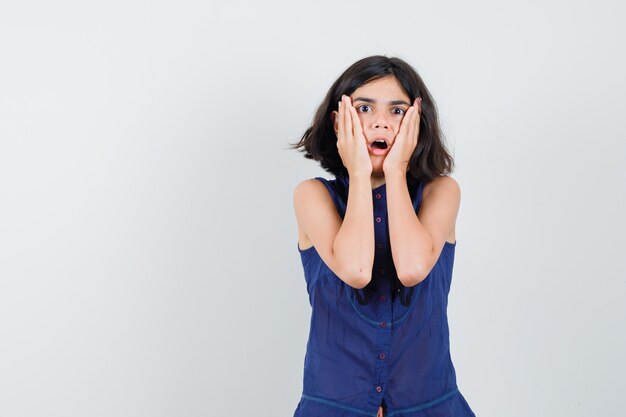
column 354, row 243
column 417, row 242
column 347, row 246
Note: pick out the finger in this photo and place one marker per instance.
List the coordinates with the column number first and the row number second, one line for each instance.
column 418, row 118
column 406, row 121
column 348, row 118
column 340, row 122
column 356, row 122
column 414, row 124
column 413, row 127
column 409, row 124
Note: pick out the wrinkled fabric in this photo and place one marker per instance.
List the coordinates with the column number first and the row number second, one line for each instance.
column 360, row 356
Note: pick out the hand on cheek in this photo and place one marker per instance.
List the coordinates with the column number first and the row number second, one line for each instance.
column 406, row 140
column 351, row 143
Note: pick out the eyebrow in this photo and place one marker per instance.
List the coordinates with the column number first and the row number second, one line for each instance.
column 391, row 103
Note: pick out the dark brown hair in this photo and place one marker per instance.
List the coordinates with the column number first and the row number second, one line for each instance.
column 430, row 157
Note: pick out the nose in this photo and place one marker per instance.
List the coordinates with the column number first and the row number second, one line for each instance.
column 380, row 121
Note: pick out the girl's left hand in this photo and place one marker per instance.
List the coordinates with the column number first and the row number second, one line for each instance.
column 399, row 155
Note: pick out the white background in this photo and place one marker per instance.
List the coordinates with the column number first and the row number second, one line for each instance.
column 148, row 260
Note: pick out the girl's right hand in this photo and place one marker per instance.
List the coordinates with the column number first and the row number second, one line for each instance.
column 351, row 142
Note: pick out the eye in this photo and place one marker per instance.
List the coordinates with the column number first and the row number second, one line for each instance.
column 399, row 110
column 360, row 108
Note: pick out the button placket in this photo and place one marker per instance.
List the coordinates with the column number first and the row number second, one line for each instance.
column 381, row 269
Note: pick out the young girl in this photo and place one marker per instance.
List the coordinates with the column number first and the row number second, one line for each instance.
column 377, row 247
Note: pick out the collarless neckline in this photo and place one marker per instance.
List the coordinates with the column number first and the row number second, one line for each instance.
column 346, row 180
column 380, row 187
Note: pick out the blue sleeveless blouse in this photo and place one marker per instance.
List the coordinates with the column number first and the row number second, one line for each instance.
column 383, row 345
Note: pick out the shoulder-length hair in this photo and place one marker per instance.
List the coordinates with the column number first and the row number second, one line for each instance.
column 430, row 157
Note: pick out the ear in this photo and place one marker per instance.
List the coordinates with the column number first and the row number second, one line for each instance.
column 333, row 118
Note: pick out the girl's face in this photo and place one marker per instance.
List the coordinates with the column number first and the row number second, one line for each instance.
column 381, row 105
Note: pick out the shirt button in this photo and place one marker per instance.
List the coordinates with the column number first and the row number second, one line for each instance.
column 378, row 196
column 379, row 388
column 383, row 324
column 378, row 219
column 382, row 270
column 379, row 245
column 382, row 298
column 382, row 355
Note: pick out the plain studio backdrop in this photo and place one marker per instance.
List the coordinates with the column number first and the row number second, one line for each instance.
column 148, row 259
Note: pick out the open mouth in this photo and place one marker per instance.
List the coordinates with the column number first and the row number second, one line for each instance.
column 379, row 144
